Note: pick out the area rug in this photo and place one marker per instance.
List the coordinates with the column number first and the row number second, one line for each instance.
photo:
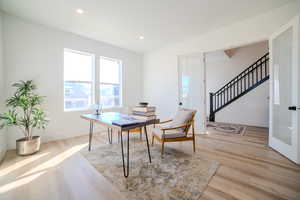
column 177, row 176
column 227, row 128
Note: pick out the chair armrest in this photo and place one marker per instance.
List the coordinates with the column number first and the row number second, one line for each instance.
column 177, row 127
column 165, row 121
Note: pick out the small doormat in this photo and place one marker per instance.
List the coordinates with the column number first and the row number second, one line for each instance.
column 177, row 176
column 227, row 128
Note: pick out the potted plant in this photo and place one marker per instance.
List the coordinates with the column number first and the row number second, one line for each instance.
column 26, row 113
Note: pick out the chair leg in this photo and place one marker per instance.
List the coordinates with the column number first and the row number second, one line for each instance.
column 194, row 138
column 152, row 139
column 162, row 148
column 194, row 145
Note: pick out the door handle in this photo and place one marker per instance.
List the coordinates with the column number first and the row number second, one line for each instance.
column 293, row 108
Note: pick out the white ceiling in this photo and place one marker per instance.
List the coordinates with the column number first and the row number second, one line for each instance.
column 121, row 22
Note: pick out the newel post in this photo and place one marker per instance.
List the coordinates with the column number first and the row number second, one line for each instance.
column 211, row 110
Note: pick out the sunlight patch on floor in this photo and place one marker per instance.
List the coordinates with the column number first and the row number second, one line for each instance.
column 19, row 182
column 19, row 164
column 56, row 160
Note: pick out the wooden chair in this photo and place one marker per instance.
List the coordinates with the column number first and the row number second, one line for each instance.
column 135, row 130
column 110, row 134
column 175, row 132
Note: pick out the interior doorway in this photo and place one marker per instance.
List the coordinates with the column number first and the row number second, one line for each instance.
column 283, row 96
column 238, row 85
column 191, row 87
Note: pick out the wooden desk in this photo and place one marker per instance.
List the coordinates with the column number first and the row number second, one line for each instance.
column 106, row 119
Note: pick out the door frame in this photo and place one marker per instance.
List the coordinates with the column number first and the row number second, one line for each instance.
column 200, row 54
column 205, row 66
column 290, row 151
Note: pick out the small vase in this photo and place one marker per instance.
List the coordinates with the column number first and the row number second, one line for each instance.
column 27, row 147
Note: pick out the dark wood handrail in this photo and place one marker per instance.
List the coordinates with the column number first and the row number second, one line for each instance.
column 236, row 79
column 251, row 66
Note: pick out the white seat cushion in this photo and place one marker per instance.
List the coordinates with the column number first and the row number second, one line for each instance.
column 182, row 116
column 168, row 134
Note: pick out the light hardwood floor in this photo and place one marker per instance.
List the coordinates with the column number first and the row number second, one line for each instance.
column 248, row 170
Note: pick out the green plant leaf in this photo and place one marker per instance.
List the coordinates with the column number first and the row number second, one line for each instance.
column 39, row 118
column 9, row 118
column 24, row 109
column 24, row 87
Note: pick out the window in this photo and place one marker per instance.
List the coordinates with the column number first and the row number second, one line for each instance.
column 78, row 80
column 83, row 87
column 110, row 82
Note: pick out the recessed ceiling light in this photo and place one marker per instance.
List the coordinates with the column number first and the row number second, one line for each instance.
column 141, row 37
column 79, row 11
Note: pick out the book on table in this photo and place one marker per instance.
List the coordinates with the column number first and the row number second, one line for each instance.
column 127, row 122
column 143, row 113
column 147, row 118
column 144, row 109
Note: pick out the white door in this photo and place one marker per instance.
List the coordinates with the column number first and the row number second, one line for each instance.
column 284, row 90
column 191, row 87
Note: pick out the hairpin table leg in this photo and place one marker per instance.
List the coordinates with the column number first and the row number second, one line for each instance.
column 109, row 134
column 145, row 128
column 125, row 169
column 91, row 134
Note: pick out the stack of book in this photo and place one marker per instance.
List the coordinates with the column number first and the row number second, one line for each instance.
column 144, row 113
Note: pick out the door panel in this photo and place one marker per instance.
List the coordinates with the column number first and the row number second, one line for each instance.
column 282, row 73
column 191, row 88
column 284, row 89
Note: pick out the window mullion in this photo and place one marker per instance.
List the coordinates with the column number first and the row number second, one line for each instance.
column 97, row 81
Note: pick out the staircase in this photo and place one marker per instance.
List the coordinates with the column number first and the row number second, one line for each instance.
column 243, row 83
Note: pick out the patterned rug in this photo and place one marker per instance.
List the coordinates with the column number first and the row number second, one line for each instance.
column 227, row 128
column 177, row 176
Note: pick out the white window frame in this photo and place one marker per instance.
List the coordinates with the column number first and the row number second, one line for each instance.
column 104, row 83
column 93, row 91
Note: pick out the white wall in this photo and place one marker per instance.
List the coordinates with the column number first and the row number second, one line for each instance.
column 220, row 69
column 33, row 51
column 160, row 67
column 3, row 139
